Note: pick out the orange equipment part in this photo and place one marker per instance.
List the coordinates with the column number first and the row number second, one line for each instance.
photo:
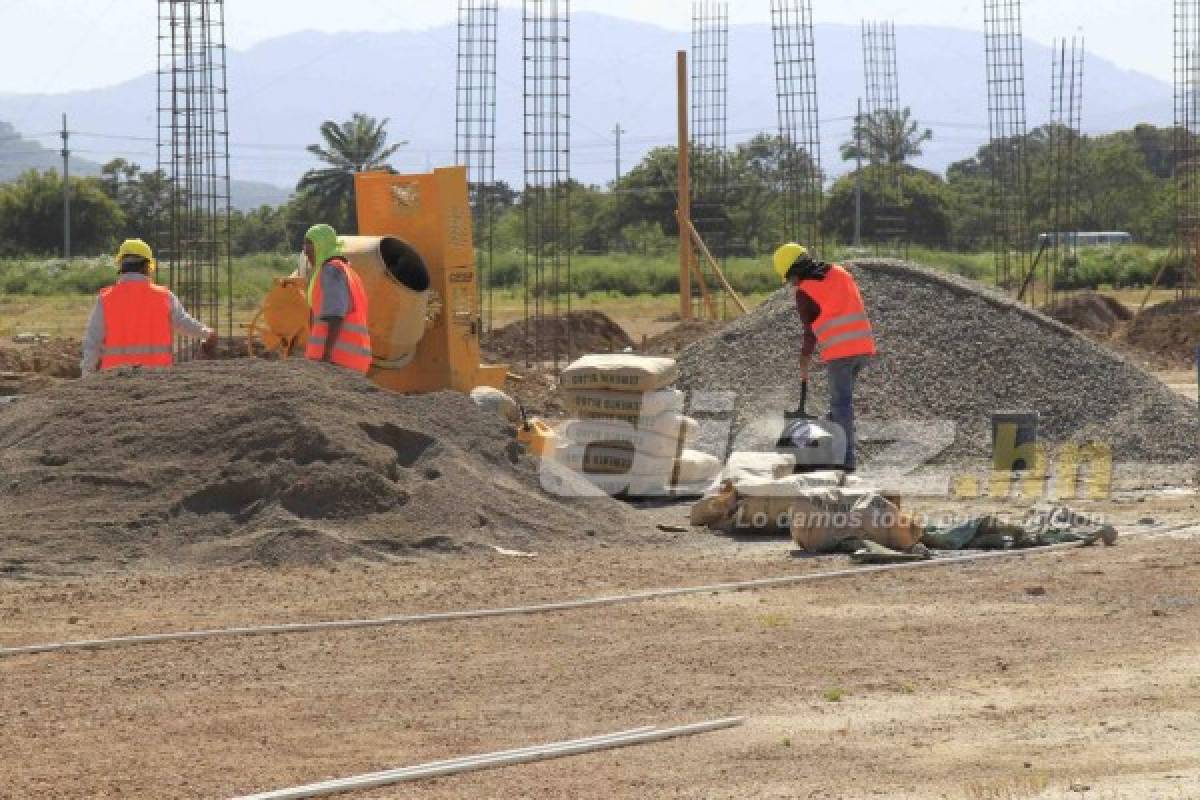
column 432, row 213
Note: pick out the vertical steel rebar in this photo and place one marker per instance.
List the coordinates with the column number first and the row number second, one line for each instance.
column 1006, row 124
column 709, row 109
column 547, row 193
column 799, row 132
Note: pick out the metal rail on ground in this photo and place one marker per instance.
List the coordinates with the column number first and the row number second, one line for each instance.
column 503, row 758
column 512, row 611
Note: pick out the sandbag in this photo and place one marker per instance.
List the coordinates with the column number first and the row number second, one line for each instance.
column 620, row 371
column 693, row 467
column 497, row 402
column 628, row 405
column 822, row 518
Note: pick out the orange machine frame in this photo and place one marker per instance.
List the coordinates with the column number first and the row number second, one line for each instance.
column 432, row 212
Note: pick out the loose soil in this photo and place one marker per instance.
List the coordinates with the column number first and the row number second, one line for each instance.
column 589, row 332
column 251, row 461
column 1168, row 333
column 1091, row 312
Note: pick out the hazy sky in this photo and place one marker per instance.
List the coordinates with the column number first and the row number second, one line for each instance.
column 60, row 45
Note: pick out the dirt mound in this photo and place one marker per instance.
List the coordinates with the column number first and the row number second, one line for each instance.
column 55, row 358
column 673, row 340
column 268, row 462
column 1091, row 311
column 589, row 331
column 955, row 351
column 1168, row 332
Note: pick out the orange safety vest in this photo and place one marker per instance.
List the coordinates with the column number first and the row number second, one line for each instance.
column 352, row 349
column 137, row 325
column 842, row 328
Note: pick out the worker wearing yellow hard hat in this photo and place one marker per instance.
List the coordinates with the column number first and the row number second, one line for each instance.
column 134, row 322
column 835, row 318
column 338, row 333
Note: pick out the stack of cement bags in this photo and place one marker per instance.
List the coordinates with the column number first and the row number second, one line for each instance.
column 627, row 429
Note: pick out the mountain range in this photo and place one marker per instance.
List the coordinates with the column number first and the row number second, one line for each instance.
column 622, row 71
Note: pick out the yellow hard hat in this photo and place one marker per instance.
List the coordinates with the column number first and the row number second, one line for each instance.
column 136, row 247
column 787, row 255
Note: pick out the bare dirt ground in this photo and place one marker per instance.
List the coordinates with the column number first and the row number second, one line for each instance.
column 1015, row 678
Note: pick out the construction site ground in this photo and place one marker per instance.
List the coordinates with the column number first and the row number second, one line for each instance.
column 1043, row 675
column 1012, row 678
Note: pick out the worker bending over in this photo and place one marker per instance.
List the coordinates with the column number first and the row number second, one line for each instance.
column 338, row 333
column 834, row 317
column 134, row 321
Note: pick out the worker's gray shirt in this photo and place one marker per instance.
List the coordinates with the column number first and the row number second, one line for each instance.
column 335, row 293
column 93, row 340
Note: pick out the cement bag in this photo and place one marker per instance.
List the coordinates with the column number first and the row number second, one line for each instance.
column 627, row 405
column 614, row 433
column 497, row 402
column 823, row 518
column 602, row 459
column 743, row 465
column 693, row 467
column 630, row 485
column 669, row 424
column 621, row 372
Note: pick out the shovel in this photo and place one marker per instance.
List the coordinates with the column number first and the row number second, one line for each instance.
column 784, row 443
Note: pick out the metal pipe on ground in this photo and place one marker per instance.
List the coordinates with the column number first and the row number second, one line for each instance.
column 543, row 608
column 502, row 758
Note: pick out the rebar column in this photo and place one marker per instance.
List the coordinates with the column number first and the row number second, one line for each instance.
column 799, row 132
column 192, row 225
column 475, row 132
column 547, row 196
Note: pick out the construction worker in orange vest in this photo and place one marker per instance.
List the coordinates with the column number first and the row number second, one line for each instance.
column 134, row 321
column 338, row 332
column 834, row 317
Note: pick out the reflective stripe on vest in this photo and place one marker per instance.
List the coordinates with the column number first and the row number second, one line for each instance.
column 352, row 349
column 137, row 326
column 842, row 327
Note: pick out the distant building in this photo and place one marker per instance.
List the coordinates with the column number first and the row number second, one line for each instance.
column 1085, row 238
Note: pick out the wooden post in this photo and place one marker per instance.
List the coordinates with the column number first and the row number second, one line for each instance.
column 685, row 204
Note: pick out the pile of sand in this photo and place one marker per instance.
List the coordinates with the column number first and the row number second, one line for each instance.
column 1091, row 312
column 589, row 332
column 1168, row 332
column 674, row 339
column 269, row 462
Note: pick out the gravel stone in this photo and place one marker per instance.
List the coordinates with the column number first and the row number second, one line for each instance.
column 951, row 350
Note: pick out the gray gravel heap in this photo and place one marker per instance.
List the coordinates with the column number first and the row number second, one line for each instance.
column 950, row 349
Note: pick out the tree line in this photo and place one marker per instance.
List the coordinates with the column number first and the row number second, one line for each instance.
column 1122, row 181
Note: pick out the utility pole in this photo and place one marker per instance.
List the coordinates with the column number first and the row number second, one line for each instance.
column 684, row 211
column 617, row 131
column 858, row 123
column 66, row 155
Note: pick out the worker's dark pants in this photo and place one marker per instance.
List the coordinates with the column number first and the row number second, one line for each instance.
column 843, row 372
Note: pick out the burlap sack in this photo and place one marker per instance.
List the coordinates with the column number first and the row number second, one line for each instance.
column 621, row 372
column 823, row 518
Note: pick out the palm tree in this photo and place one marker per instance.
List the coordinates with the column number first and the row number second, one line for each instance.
column 357, row 145
column 886, row 137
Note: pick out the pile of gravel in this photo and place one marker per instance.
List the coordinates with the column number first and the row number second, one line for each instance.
column 252, row 461
column 950, row 349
